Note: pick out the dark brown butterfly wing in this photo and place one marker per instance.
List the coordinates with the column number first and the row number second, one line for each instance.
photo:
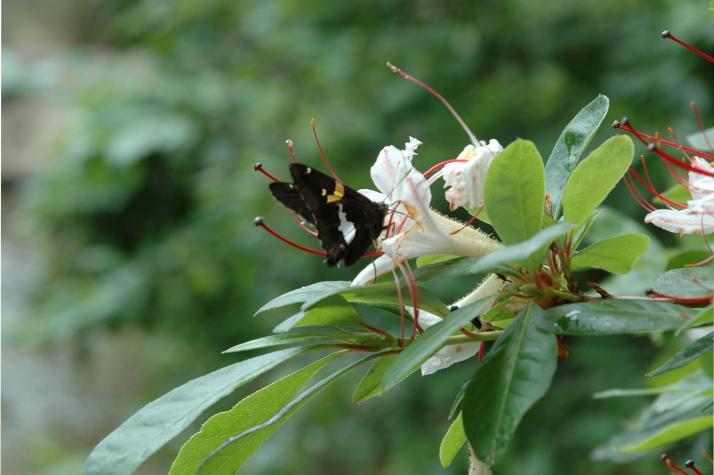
column 347, row 222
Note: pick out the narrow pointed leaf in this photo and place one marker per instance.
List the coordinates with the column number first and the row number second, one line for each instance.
column 570, row 146
column 703, row 317
column 213, row 463
column 614, row 317
column 686, row 355
column 453, row 442
column 249, row 412
column 615, row 255
column 371, row 383
column 515, row 374
column 595, row 177
column 304, row 294
column 428, row 343
column 331, row 311
column 285, row 339
column 513, row 255
column 140, row 436
column 514, row 192
column 671, row 433
column 386, row 294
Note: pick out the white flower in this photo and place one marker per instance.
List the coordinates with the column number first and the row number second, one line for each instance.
column 414, row 229
column 452, row 354
column 464, row 180
column 698, row 216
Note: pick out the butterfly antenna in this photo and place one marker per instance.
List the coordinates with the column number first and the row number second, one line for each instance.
column 313, row 124
column 439, row 97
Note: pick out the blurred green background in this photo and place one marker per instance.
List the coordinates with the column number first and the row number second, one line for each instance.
column 130, row 258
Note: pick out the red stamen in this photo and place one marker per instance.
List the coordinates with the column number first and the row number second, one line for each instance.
column 669, row 36
column 481, row 351
column 300, row 223
column 376, row 330
column 700, row 124
column 439, row 97
column 650, row 187
column 672, row 467
column 468, row 223
column 635, row 193
column 690, row 465
column 313, row 124
column 684, row 300
column 677, row 163
column 679, row 144
column 414, row 292
column 441, row 165
column 398, row 285
column 291, row 150
column 644, row 138
column 259, row 222
column 259, row 168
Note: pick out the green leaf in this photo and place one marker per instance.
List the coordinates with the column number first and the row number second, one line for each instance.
column 428, row 260
column 515, row 374
column 570, row 145
column 216, row 457
column 613, row 317
column 706, row 361
column 428, row 343
column 251, row 411
column 671, row 433
column 371, row 383
column 304, row 294
column 704, row 317
column 452, row 442
column 512, row 255
column 514, row 192
column 686, row 355
column 286, row 339
column 140, row 436
column 595, row 177
column 693, row 282
column 331, row 311
column 616, row 255
column 386, row 294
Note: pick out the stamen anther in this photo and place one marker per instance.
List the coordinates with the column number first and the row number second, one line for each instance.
column 439, row 97
column 615, row 124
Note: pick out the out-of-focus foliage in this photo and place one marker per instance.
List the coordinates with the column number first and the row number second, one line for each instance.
column 145, row 216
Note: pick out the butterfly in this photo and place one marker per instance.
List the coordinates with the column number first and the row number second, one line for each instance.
column 346, row 221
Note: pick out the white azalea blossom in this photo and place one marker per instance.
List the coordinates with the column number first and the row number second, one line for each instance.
column 698, row 216
column 415, row 230
column 452, row 354
column 464, row 180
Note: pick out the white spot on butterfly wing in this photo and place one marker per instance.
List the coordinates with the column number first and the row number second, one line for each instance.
column 346, row 227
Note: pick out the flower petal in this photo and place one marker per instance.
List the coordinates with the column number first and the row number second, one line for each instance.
column 449, row 355
column 376, row 268
column 683, row 222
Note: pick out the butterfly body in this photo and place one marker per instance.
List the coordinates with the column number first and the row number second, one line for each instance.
column 346, row 221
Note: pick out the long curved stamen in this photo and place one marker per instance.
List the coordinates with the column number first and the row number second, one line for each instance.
column 259, row 168
column 398, row 285
column 671, row 465
column 684, row 300
column 646, row 139
column 313, row 125
column 302, row 225
column 669, row 203
column 414, row 293
column 468, row 223
column 291, row 150
column 481, row 351
column 669, row 36
column 440, row 98
column 391, row 218
column 700, row 124
column 690, row 465
column 441, row 165
column 636, row 195
column 685, row 166
column 259, row 221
